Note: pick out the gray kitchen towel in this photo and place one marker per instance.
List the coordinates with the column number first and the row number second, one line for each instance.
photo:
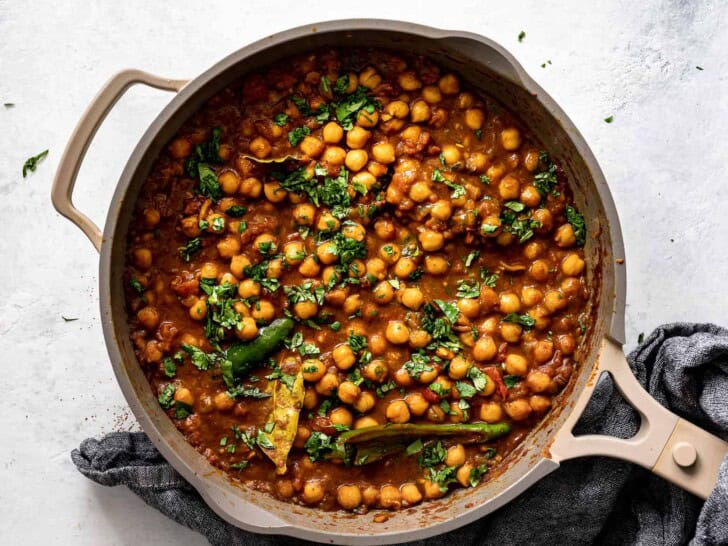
column 586, row 501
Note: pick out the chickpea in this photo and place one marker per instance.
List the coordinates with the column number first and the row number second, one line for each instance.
column 384, row 229
column 436, row 265
column 538, row 381
column 419, row 339
column 327, row 253
column 412, row 298
column 210, row 270
column 390, row 497
column 369, row 78
column 229, row 182
column 516, row 365
column 185, row 396
column 432, row 94
column 511, row 332
column 404, row 267
column 485, row 349
column 344, row 357
column 491, row 412
column 311, row 146
column 249, row 289
column 509, row 303
column 383, row 152
column 273, row 192
column 566, row 344
column 383, row 293
column 463, row 474
column 228, row 278
column 367, row 119
column 410, row 494
column 260, row 147
column 305, row 310
column 334, row 155
column 332, row 133
column 223, row 401
column 442, row 210
column 198, row 310
column 238, row 264
column 397, row 332
column 354, row 231
column 397, row 109
column 420, row 192
column 564, row 237
column 328, row 384
column 474, row 118
column 432, row 490
column 370, row 495
column 490, row 227
column 309, row 268
column 348, row 392
column 247, row 329
column 428, row 376
column 469, row 307
column 180, row 147
column 530, row 296
column 510, row 139
column 458, row 367
column 488, row 298
column 408, row 81
column 313, row 370
column 149, row 317
column 451, row 154
column 251, row 187
column 435, row 414
column 366, row 422
column 572, row 265
column 543, row 351
column 302, row 435
column 449, row 84
column 431, row 241
column 390, row 253
column 313, row 492
column 263, row 311
column 352, row 304
column 365, row 402
column 545, row 218
column 518, row 410
column 570, row 286
column 554, row 301
column 530, row 196
column 303, row 214
column 375, row 371
column 509, row 188
column 341, row 416
column 348, row 496
column 455, row 455
column 420, row 112
column 357, row 138
column 416, row 403
column 356, row 160
column 539, row 270
column 398, row 411
column 142, row 258
column 539, row 403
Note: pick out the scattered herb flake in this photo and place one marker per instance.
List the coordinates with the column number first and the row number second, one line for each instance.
column 609, row 119
column 32, row 162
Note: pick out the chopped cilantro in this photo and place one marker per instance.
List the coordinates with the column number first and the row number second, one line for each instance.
column 166, row 397
column 414, row 448
column 432, row 455
column 296, row 135
column 471, row 257
column 524, row 320
column 467, row 289
column 576, row 219
column 32, row 162
column 511, row 380
column 476, row 474
column 236, row 211
column 280, row 119
column 191, row 247
column 521, row 36
column 317, row 444
column 610, row 119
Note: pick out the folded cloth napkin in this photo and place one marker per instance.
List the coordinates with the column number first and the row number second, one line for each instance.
column 586, row 501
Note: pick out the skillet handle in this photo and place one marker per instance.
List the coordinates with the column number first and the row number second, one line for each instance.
column 96, row 112
column 666, row 444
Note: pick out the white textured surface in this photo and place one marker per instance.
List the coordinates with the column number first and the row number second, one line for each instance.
column 664, row 156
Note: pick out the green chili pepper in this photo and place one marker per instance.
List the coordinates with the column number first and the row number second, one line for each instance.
column 243, row 356
column 367, row 445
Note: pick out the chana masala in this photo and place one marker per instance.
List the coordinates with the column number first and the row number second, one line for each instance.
column 353, row 283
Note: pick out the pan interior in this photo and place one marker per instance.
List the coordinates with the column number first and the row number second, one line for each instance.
column 486, row 69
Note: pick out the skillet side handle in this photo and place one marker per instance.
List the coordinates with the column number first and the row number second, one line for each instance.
column 666, row 444
column 96, row 112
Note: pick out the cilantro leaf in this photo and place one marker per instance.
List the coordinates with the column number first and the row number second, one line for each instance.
column 576, row 219
column 296, row 135
column 32, row 162
column 193, row 246
column 524, row 320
